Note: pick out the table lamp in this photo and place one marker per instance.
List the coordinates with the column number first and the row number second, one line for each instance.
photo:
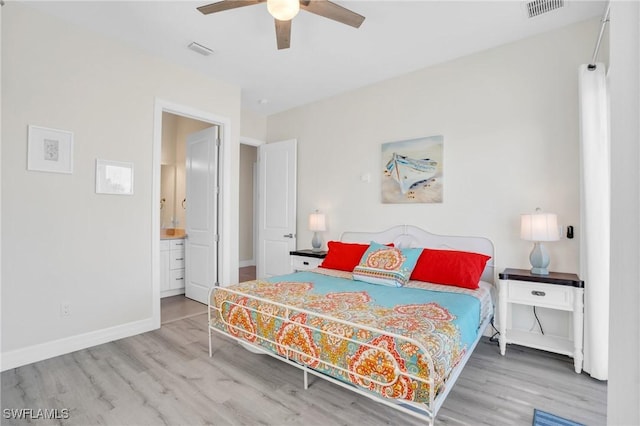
column 317, row 224
column 539, row 227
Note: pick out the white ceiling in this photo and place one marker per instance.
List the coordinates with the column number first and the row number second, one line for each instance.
column 326, row 57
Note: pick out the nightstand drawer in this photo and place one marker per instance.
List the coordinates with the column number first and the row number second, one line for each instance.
column 300, row 263
column 543, row 295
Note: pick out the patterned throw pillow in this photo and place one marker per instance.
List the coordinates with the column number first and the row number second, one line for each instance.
column 386, row 265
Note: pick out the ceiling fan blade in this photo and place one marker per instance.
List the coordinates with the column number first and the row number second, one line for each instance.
column 283, row 34
column 226, row 5
column 332, row 11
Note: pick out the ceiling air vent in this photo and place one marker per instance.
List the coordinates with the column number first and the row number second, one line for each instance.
column 198, row 48
column 539, row 7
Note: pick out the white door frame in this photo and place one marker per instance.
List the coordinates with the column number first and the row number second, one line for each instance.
column 224, row 208
column 255, row 143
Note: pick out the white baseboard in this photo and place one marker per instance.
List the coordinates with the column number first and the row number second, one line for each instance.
column 169, row 293
column 244, row 263
column 42, row 351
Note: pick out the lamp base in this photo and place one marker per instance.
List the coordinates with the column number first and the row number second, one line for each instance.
column 316, row 242
column 540, row 271
column 539, row 259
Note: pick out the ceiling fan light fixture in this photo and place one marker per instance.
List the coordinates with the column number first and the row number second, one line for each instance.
column 283, row 10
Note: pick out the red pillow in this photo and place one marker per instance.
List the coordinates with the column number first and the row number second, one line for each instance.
column 343, row 256
column 450, row 267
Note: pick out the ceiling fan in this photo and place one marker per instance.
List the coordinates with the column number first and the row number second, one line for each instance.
column 284, row 11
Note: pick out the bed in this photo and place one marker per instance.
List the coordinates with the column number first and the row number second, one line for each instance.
column 401, row 344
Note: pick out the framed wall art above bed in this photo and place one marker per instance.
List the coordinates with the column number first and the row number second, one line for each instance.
column 413, row 171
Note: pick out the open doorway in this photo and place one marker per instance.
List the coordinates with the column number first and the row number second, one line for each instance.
column 173, row 217
column 247, row 213
column 179, row 135
column 274, row 211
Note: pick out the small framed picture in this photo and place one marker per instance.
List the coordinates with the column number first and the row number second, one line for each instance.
column 50, row 150
column 114, row 177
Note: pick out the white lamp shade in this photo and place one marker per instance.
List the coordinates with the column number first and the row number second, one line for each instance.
column 539, row 227
column 283, row 10
column 317, row 222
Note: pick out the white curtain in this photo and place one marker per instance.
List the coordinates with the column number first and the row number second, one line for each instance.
column 595, row 218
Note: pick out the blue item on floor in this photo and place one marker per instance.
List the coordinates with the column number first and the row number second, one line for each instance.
column 542, row 418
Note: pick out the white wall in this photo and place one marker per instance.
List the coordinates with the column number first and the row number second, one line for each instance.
column 253, row 125
column 61, row 242
column 623, row 402
column 510, row 124
column 1, row 81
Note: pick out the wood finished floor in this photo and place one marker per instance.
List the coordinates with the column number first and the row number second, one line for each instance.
column 165, row 377
column 247, row 273
column 175, row 308
column 179, row 307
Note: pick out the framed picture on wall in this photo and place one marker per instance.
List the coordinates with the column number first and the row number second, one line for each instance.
column 49, row 150
column 413, row 170
column 114, row 177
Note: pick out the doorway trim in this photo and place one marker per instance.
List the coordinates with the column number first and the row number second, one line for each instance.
column 251, row 141
column 224, row 207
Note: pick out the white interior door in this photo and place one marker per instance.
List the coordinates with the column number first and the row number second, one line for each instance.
column 276, row 207
column 201, row 249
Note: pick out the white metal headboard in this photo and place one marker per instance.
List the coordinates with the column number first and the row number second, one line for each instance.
column 408, row 236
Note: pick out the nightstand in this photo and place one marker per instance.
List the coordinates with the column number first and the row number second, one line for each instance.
column 303, row 260
column 554, row 291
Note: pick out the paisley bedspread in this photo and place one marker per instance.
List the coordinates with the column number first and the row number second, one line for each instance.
column 443, row 323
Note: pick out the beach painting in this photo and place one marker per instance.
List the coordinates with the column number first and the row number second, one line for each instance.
column 412, row 171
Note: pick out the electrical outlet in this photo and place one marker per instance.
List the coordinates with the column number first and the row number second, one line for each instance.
column 65, row 310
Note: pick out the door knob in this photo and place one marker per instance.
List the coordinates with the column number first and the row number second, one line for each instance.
column 288, row 236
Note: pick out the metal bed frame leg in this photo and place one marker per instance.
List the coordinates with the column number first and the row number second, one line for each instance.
column 209, row 328
column 306, row 379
